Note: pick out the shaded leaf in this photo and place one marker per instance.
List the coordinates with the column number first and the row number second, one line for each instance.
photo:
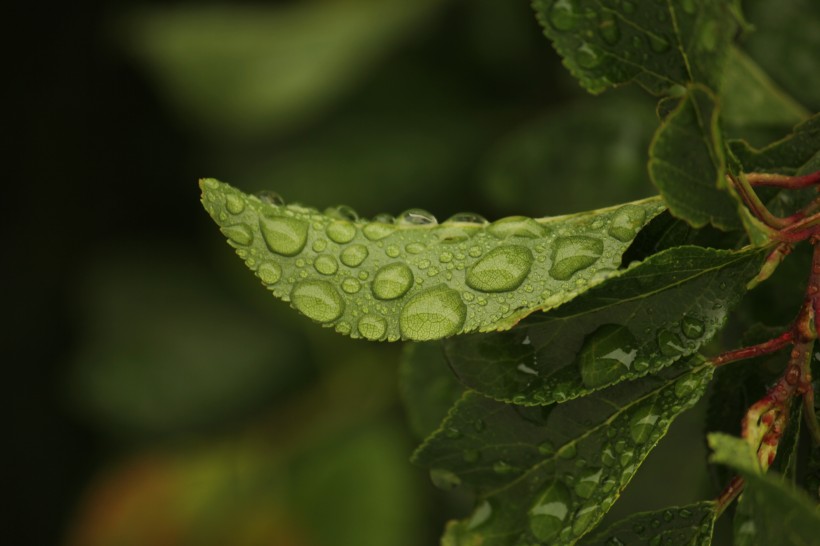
column 794, row 154
column 413, row 278
column 637, row 323
column 659, row 45
column 548, row 474
column 690, row 525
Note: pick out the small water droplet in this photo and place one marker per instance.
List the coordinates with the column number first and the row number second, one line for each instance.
column 270, row 273
column 392, row 251
column 608, row 28
column 669, row 343
column 480, row 516
column 608, row 456
column 433, row 314
column 547, row 516
column 572, row 254
column 503, row 467
column 466, row 218
column 271, row 198
column 567, row 451
column 643, row 424
column 416, row 217
column 479, row 425
column 239, row 234
column 668, row 515
column 588, row 56
column 392, row 281
column 615, row 541
column 317, row 300
column 562, row 15
column 354, row 255
column 319, row 245
column 444, row 479
column 692, row 327
column 414, row 248
column 351, row 285
column 546, row 448
column 234, row 203
column 342, row 212
column 625, row 222
column 341, row 232
column 607, row 354
column 470, row 455
column 502, row 269
column 583, row 519
column 372, row 327
column 284, row 235
column 685, row 513
column 658, row 43
column 326, row 264
column 588, row 482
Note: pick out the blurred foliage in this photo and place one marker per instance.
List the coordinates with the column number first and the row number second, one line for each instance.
column 158, row 395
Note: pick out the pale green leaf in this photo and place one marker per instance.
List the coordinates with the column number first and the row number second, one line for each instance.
column 414, row 279
column 690, row 525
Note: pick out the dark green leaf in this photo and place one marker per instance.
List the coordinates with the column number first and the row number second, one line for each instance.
column 795, row 154
column 659, row 45
column 648, row 317
column 781, row 514
column 687, row 164
column 548, row 474
column 690, row 525
column 412, row 278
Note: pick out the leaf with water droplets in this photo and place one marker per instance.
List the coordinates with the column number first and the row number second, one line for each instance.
column 649, row 316
column 690, row 525
column 782, row 514
column 659, row 45
column 548, row 474
column 687, row 163
column 412, row 278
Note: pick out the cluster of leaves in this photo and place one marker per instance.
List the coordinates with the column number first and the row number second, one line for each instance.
column 584, row 336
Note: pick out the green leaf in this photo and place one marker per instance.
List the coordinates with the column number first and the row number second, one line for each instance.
column 690, row 525
column 650, row 316
column 659, row 45
column 413, row 278
column 427, row 385
column 795, row 154
column 548, row 474
column 687, row 164
column 782, row 515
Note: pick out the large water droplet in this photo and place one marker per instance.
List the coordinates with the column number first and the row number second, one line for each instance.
column 588, row 56
column 317, row 300
column 516, row 226
column 326, row 264
column 416, row 217
column 342, row 212
column 433, row 314
column 692, row 327
column 643, row 423
column 270, row 273
column 669, row 343
column 588, row 482
column 351, row 285
column 285, row 236
column 626, row 221
column 234, row 203
column 271, row 198
column 372, row 327
column 376, row 231
column 444, row 479
column 607, row 354
column 466, row 218
column 480, row 516
column 562, row 15
column 354, row 255
column 341, row 232
column 549, row 512
column 500, row 270
column 392, row 281
column 608, row 29
column 239, row 234
column 584, row 518
column 574, row 253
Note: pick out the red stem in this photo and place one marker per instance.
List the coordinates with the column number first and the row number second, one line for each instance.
column 767, row 347
column 783, row 181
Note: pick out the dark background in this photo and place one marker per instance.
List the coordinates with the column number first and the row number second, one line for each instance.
column 155, row 393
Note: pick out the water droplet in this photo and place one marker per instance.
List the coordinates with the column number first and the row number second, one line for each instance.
column 547, row 516
column 658, row 43
column 433, row 314
column 639, row 529
column 341, row 232
column 608, row 456
column 372, row 327
column 452, row 433
column 326, row 264
column 500, row 270
column 574, row 253
column 607, row 354
column 317, row 300
column 643, row 423
column 414, row 248
column 562, row 15
column 351, row 285
column 480, row 516
column 588, row 56
column 615, row 541
column 584, row 518
column 588, row 483
column 470, row 455
column 285, row 236
column 692, row 327
column 319, row 245
column 479, row 425
column 392, row 251
column 516, row 226
column 416, row 217
column 466, row 218
column 271, row 198
column 668, row 515
column 270, row 273
column 685, row 513
column 376, row 231
column 239, row 234
column 354, row 255
column 669, row 343
column 686, row 386
column 503, row 467
column 546, row 448
column 392, row 281
column 444, row 479
column 625, row 222
column 234, row 203
column 608, row 29
column 567, row 451
column 342, row 212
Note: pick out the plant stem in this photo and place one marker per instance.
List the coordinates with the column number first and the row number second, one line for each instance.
column 783, row 181
column 751, row 200
column 767, row 347
column 729, row 494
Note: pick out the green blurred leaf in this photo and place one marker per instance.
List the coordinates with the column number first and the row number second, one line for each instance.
column 416, row 279
column 690, row 525
column 637, row 323
column 427, row 385
column 782, row 514
column 795, row 154
column 659, row 45
column 548, row 474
